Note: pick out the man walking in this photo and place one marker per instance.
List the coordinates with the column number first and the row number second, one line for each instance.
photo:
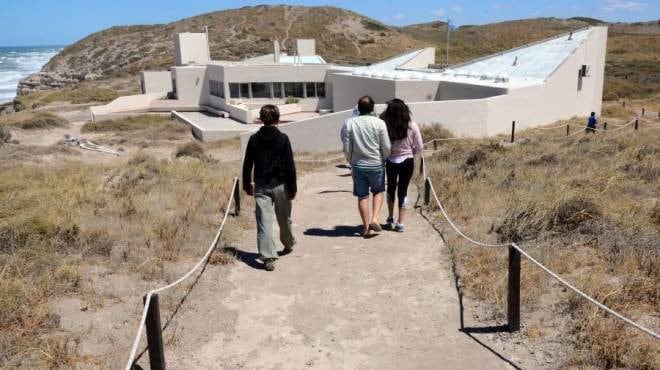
column 269, row 153
column 366, row 145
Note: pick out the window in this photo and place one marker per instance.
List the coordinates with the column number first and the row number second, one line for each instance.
column 260, row 90
column 310, row 91
column 320, row 89
column 217, row 88
column 245, row 91
column 579, row 86
column 294, row 89
column 234, row 91
column 277, row 90
column 174, row 86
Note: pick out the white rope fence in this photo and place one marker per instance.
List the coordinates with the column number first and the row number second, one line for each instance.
column 201, row 262
column 541, row 266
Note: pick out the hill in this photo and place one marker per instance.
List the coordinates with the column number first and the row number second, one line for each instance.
column 342, row 37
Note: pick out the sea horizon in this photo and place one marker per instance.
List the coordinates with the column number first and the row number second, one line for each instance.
column 18, row 62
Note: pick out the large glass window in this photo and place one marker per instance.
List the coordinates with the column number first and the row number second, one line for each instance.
column 294, row 89
column 320, row 89
column 216, row 88
column 234, row 91
column 310, row 91
column 245, row 91
column 277, row 90
column 260, row 90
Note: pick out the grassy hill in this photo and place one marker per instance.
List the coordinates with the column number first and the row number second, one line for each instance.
column 633, row 68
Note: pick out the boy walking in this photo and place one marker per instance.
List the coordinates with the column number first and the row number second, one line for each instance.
column 366, row 145
column 269, row 154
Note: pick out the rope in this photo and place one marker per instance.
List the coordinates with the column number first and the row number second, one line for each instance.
column 143, row 319
column 585, row 296
column 442, row 209
column 542, row 267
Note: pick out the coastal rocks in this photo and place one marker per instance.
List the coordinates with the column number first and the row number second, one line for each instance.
column 43, row 81
column 7, row 108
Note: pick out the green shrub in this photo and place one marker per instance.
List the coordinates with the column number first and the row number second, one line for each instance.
column 191, row 149
column 5, row 135
column 131, row 123
column 39, row 120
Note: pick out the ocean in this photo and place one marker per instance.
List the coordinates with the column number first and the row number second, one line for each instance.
column 19, row 62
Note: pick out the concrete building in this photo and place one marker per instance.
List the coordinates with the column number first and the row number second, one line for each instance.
column 535, row 84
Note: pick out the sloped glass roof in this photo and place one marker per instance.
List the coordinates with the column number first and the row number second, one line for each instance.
column 529, row 63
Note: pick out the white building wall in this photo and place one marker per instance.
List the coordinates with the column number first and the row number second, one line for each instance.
column 559, row 97
column 191, row 48
column 191, row 84
column 347, row 89
column 156, row 81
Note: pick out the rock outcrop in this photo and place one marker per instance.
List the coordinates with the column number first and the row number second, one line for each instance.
column 43, row 81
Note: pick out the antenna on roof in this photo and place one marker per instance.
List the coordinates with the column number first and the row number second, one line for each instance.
column 208, row 43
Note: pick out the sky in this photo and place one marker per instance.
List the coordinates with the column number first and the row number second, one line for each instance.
column 62, row 22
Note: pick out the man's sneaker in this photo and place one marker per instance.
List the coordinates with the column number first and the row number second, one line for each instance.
column 269, row 265
column 286, row 251
column 375, row 227
column 390, row 223
column 399, row 227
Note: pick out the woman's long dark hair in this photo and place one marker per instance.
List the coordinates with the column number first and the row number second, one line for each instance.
column 397, row 118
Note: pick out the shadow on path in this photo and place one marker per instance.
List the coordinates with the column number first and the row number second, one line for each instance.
column 459, row 292
column 248, row 258
column 335, row 191
column 337, row 231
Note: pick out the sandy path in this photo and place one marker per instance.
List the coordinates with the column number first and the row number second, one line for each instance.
column 338, row 301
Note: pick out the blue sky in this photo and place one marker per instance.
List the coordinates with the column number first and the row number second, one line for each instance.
column 59, row 22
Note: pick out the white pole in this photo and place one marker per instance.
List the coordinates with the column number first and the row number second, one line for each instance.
column 208, row 42
column 447, row 42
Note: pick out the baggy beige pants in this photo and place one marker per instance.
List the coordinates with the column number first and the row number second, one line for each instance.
column 272, row 203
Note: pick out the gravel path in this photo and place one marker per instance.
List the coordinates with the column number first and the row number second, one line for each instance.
column 338, row 301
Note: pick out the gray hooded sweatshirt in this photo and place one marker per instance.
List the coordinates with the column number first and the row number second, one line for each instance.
column 365, row 141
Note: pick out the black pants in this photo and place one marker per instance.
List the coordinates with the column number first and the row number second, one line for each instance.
column 398, row 178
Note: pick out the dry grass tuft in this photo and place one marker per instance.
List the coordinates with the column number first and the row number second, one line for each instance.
column 130, row 123
column 587, row 208
column 191, row 149
column 31, row 121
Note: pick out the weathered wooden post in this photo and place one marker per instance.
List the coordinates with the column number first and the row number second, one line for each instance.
column 427, row 191
column 421, row 166
column 513, row 131
column 636, row 123
column 513, row 296
column 568, row 129
column 435, row 144
column 624, row 103
column 605, row 126
column 154, row 334
column 237, row 198
column 643, row 111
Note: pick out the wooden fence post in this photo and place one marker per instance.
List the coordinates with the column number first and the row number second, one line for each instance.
column 435, row 144
column 513, row 131
column 427, row 191
column 513, row 297
column 421, row 166
column 643, row 111
column 636, row 123
column 237, row 198
column 605, row 126
column 568, row 129
column 155, row 335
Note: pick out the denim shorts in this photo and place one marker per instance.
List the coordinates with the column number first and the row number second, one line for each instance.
column 363, row 180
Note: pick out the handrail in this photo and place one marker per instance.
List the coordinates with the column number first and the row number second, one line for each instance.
column 600, row 305
column 147, row 299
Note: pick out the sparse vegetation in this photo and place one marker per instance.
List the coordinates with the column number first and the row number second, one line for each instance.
column 74, row 95
column 5, row 135
column 130, row 123
column 33, row 120
column 58, row 221
column 191, row 149
column 586, row 207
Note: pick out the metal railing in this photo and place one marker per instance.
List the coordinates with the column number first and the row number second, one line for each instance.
column 151, row 313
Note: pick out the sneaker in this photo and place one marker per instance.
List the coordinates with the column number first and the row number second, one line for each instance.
column 269, row 265
column 286, row 251
column 375, row 227
column 390, row 223
column 399, row 227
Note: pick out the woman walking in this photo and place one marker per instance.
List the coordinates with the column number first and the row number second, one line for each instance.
column 400, row 165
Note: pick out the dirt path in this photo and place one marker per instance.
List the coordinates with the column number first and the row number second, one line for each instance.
column 338, row 301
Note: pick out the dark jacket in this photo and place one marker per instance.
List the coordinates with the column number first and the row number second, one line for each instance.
column 269, row 152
